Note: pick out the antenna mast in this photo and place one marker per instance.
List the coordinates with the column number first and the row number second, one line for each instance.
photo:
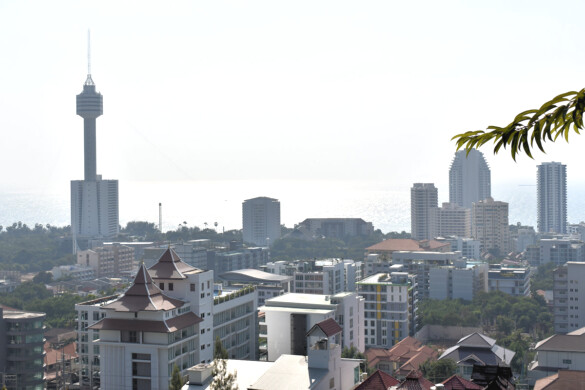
column 88, row 52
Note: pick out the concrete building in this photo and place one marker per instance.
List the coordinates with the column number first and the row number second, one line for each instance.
column 325, row 277
column 469, row 247
column 390, row 308
column 235, row 315
column 524, row 237
column 107, row 261
column 221, row 261
column 88, row 313
column 21, row 346
column 94, row 202
column 268, row 285
column 551, row 200
column 557, row 251
column 469, row 178
column 337, row 227
column 458, row 281
column 321, row 369
column 568, row 295
column 144, row 334
column 451, row 220
column 75, row 271
column 288, row 318
column 490, row 225
column 512, row 281
column 261, row 221
column 423, row 199
column 420, row 264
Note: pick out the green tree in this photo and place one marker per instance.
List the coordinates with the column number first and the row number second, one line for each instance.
column 43, row 277
column 555, row 118
column 219, row 351
column 176, row 379
column 353, row 353
column 222, row 380
column 438, row 370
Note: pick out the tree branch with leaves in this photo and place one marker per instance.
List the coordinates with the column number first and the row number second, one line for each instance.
column 555, row 118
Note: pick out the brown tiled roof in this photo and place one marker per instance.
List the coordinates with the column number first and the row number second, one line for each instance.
column 329, row 327
column 379, row 380
column 564, row 379
column 456, row 382
column 144, row 295
column 170, row 266
column 407, row 244
column 168, row 326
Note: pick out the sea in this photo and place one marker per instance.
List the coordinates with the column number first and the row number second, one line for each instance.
column 218, row 204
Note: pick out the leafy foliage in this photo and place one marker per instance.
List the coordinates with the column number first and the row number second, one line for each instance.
column 353, row 353
column 438, row 370
column 222, row 380
column 38, row 249
column 219, row 351
column 176, row 379
column 33, row 296
column 552, row 120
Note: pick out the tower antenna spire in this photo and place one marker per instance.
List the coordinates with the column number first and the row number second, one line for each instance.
column 89, row 80
column 88, row 51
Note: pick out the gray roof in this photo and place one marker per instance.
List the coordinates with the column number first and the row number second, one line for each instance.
column 289, row 372
column 253, row 275
column 571, row 342
column 170, row 266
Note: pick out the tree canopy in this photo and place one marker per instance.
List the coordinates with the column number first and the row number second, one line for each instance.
column 555, row 118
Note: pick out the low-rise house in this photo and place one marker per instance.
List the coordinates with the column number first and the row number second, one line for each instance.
column 564, row 379
column 379, row 380
column 558, row 352
column 477, row 349
column 401, row 359
column 456, row 382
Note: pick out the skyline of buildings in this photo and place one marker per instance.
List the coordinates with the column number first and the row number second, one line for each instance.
column 551, row 197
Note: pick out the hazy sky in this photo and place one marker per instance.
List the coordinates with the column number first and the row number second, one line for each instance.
column 262, row 90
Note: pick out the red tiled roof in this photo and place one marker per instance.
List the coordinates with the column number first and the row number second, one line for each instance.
column 407, row 244
column 379, row 380
column 330, row 327
column 170, row 266
column 456, row 382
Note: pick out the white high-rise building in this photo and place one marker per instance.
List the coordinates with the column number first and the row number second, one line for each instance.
column 424, row 199
column 261, row 221
column 469, row 178
column 552, row 197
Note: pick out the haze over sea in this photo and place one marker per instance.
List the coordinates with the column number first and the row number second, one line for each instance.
column 384, row 204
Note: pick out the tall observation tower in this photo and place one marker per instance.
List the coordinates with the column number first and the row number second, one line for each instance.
column 94, row 202
column 90, row 105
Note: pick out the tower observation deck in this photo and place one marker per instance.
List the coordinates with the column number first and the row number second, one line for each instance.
column 90, row 105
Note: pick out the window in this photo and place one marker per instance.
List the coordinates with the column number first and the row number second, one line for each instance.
column 208, row 283
column 171, row 287
column 192, row 286
column 161, row 285
column 129, row 336
column 567, row 361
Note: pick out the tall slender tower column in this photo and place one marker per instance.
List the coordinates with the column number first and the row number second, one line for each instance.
column 90, row 105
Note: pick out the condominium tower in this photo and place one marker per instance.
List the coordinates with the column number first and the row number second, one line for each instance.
column 423, row 198
column 469, row 178
column 552, row 197
column 490, row 225
column 261, row 221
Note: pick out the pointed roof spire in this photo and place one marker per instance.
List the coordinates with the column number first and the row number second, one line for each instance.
column 170, row 266
column 144, row 295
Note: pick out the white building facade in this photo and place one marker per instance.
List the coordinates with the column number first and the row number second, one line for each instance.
column 551, row 200
column 261, row 221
